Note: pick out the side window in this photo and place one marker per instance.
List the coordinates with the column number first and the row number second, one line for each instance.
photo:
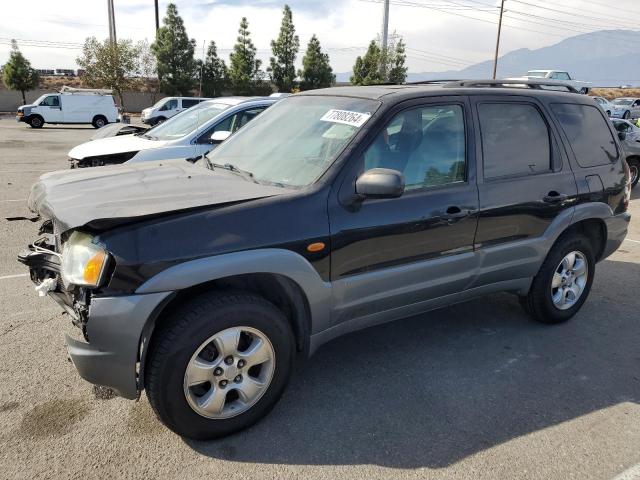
column 622, row 126
column 223, row 126
column 189, row 102
column 515, row 140
column 245, row 117
column 51, row 101
column 562, row 76
column 427, row 144
column 636, row 103
column 588, row 134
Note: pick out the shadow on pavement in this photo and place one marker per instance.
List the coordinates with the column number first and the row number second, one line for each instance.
column 434, row 389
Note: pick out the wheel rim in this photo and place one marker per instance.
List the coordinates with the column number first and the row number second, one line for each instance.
column 100, row 122
column 229, row 372
column 36, row 122
column 634, row 173
column 569, row 280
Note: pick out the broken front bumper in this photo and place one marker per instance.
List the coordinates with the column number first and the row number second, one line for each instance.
column 115, row 328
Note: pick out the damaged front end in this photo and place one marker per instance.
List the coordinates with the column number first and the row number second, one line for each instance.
column 54, row 267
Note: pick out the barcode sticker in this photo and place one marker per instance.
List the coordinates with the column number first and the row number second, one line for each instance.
column 355, row 119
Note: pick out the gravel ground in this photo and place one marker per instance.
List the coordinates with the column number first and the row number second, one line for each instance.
column 472, row 391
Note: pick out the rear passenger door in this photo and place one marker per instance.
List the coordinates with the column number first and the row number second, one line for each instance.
column 524, row 180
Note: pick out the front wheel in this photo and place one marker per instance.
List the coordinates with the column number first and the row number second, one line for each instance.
column 36, row 122
column 627, row 115
column 563, row 283
column 219, row 364
column 634, row 170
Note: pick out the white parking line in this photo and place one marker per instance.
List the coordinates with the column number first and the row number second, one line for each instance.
column 18, row 275
column 16, row 200
column 632, row 473
column 23, row 171
column 631, row 240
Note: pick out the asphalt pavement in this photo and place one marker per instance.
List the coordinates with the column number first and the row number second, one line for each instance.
column 474, row 391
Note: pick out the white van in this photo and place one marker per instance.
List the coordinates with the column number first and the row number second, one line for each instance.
column 71, row 105
column 167, row 108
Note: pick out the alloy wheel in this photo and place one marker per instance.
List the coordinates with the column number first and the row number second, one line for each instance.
column 569, row 280
column 229, row 372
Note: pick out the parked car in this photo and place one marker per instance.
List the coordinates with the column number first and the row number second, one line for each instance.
column 629, row 134
column 188, row 135
column 117, row 129
column 335, row 210
column 606, row 105
column 167, row 107
column 558, row 76
column 71, row 105
column 626, row 108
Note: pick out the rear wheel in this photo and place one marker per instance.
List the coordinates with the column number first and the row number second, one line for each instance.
column 563, row 282
column 99, row 121
column 584, row 91
column 36, row 122
column 627, row 115
column 608, row 113
column 219, row 364
column 634, row 169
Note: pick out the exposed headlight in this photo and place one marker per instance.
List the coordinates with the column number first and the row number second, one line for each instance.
column 83, row 262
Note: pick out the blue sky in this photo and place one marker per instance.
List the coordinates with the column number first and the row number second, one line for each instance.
column 440, row 34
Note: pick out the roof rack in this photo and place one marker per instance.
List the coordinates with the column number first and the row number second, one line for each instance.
column 94, row 91
column 428, row 82
column 535, row 84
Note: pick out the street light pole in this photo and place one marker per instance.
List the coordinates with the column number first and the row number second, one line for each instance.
column 157, row 16
column 495, row 58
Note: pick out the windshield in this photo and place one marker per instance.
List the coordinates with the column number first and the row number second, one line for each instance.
column 186, row 122
column 40, row 98
column 536, row 74
column 296, row 140
column 622, row 101
column 160, row 102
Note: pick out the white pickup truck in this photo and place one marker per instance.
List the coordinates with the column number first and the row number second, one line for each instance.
column 557, row 75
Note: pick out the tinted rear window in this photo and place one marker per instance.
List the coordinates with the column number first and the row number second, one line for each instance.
column 515, row 140
column 186, row 103
column 588, row 133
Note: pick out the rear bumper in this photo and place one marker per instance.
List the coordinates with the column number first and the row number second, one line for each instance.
column 617, row 227
column 115, row 327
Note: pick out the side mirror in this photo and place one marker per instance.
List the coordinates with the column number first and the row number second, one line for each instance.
column 380, row 183
column 622, row 135
column 220, row 136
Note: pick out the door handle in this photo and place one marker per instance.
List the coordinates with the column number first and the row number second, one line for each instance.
column 554, row 197
column 453, row 210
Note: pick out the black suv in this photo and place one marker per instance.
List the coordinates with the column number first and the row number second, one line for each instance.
column 335, row 210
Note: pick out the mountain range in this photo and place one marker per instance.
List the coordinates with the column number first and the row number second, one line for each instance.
column 605, row 58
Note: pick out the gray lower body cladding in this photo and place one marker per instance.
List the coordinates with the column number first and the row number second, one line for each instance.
column 115, row 329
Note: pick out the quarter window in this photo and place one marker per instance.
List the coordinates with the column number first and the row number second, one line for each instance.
column 588, row 134
column 189, row 102
column 426, row 144
column 515, row 140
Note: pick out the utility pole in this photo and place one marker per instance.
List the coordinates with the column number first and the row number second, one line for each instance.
column 157, row 17
column 112, row 22
column 495, row 58
column 385, row 34
column 202, row 68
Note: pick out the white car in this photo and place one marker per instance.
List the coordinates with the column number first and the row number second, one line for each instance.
column 606, row 105
column 168, row 107
column 626, row 108
column 557, row 76
column 188, row 135
column 71, row 105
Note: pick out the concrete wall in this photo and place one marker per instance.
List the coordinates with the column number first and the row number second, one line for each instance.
column 133, row 101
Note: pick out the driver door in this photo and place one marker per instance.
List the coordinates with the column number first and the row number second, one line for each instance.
column 52, row 109
column 393, row 255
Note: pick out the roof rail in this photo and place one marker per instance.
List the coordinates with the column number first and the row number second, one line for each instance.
column 428, row 82
column 94, row 91
column 535, row 84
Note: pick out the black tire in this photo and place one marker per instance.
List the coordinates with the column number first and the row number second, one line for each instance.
column 159, row 120
column 183, row 333
column 538, row 303
column 36, row 121
column 584, row 91
column 626, row 115
column 99, row 121
column 608, row 113
column 634, row 168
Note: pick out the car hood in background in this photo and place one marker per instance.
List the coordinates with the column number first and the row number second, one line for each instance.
column 107, row 196
column 113, row 145
column 117, row 129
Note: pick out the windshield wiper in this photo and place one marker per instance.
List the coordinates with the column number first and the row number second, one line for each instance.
column 247, row 175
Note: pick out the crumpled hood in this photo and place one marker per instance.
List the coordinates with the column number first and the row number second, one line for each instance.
column 112, row 145
column 102, row 197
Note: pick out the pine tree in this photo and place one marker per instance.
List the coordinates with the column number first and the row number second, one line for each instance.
column 366, row 70
column 244, row 68
column 174, row 52
column 316, row 71
column 214, row 73
column 282, row 65
column 18, row 74
column 380, row 65
column 108, row 65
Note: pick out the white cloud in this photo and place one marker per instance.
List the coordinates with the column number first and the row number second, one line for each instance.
column 438, row 40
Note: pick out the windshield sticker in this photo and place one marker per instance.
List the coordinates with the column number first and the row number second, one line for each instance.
column 355, row 119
